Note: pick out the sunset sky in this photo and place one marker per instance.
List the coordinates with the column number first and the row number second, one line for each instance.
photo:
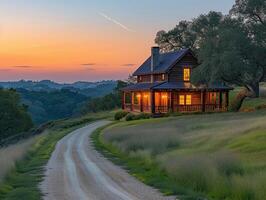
column 86, row 40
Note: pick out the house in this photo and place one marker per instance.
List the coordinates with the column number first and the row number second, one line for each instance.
column 163, row 85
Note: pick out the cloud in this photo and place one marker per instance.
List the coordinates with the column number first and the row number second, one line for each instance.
column 21, row 66
column 115, row 22
column 128, row 65
column 88, row 64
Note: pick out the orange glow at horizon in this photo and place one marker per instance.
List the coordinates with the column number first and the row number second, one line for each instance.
column 37, row 54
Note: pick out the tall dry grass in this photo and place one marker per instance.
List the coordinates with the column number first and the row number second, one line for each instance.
column 13, row 153
column 219, row 155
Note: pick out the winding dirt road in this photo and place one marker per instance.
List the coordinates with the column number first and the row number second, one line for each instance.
column 78, row 172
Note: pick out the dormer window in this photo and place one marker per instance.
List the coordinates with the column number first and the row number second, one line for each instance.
column 163, row 77
column 187, row 73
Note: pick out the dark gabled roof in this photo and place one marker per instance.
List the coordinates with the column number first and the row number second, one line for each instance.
column 167, row 60
column 189, row 86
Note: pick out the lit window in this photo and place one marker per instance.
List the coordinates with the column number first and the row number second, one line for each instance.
column 188, row 100
column 163, row 77
column 181, row 100
column 186, row 74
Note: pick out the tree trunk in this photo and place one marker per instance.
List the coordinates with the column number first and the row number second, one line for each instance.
column 256, row 90
column 241, row 96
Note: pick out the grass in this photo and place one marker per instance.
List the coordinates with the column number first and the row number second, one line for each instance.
column 217, row 156
column 11, row 154
column 23, row 180
column 251, row 104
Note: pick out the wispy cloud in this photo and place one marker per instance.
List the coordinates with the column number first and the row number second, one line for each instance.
column 88, row 64
column 115, row 22
column 21, row 66
column 128, row 65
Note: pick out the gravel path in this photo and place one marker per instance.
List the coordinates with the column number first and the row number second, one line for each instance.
column 78, row 172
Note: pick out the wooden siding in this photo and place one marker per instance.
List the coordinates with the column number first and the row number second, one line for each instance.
column 159, row 77
column 176, row 73
column 144, row 79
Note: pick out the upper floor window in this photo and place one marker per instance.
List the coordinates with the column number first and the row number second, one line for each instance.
column 187, row 73
column 163, row 77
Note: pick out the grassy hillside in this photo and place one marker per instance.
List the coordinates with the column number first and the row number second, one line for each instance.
column 218, row 156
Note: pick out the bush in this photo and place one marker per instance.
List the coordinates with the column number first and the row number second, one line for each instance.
column 120, row 115
column 131, row 116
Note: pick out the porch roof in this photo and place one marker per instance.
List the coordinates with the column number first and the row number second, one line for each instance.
column 140, row 86
column 174, row 86
column 189, row 86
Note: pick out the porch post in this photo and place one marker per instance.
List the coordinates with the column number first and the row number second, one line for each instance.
column 132, row 101
column 203, row 101
column 227, row 99
column 172, row 101
column 141, row 102
column 169, row 96
column 152, row 102
column 220, row 100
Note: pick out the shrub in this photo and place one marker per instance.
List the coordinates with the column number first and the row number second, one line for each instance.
column 130, row 117
column 261, row 107
column 120, row 115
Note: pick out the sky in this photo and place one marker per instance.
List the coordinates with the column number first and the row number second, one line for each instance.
column 86, row 40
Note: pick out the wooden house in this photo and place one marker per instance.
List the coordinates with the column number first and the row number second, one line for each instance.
column 163, row 85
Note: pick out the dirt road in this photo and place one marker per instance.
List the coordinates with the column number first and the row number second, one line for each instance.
column 78, row 172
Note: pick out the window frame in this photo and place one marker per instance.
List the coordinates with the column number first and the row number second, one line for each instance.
column 189, row 72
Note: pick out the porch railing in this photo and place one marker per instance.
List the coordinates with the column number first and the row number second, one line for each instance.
column 161, row 109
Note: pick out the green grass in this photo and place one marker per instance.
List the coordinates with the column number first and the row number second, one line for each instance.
column 22, row 182
column 251, row 104
column 217, row 156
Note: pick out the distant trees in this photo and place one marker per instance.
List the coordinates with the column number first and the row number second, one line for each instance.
column 231, row 48
column 14, row 118
column 108, row 102
column 51, row 105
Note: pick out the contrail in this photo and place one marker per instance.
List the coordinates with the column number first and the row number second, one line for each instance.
column 115, row 22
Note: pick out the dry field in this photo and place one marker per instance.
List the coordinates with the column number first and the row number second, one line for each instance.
column 11, row 154
column 221, row 156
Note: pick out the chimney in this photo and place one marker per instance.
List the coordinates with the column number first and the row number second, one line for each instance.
column 155, row 57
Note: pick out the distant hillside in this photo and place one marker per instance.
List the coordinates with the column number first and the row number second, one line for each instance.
column 91, row 89
column 44, row 106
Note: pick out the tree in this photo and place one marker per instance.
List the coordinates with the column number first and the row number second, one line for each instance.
column 14, row 118
column 189, row 34
column 231, row 57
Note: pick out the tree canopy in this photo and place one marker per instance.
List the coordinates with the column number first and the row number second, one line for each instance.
column 14, row 118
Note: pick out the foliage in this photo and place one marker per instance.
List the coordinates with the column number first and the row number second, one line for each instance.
column 131, row 116
column 14, row 118
column 46, row 106
column 120, row 115
column 218, row 156
column 106, row 103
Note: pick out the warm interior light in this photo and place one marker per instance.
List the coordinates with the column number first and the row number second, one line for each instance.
column 145, row 96
column 164, row 96
column 138, row 96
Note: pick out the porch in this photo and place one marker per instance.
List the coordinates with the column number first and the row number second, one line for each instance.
column 176, row 101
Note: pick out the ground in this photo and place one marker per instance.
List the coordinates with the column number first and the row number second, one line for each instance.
column 219, row 156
